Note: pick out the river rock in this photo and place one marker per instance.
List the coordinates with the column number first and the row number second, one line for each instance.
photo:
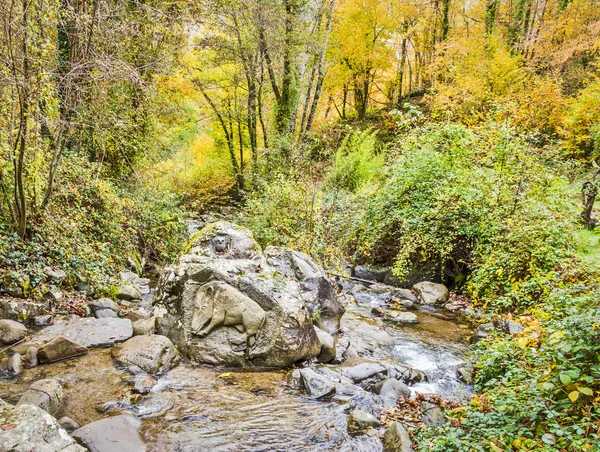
column 54, row 275
column 403, row 317
column 105, row 314
column 151, row 353
column 360, row 420
column 11, row 366
column 137, row 314
column 11, row 331
column 103, row 304
column 316, row 385
column 114, row 434
column 31, row 358
column 360, row 369
column 405, row 374
column 68, row 424
column 46, row 394
column 371, row 272
column 391, row 389
column 482, row 332
column 223, row 303
column 327, row 346
column 143, row 384
column 21, row 310
column 144, row 326
column 53, row 295
column 432, row 414
column 35, row 430
column 431, row 293
column 89, row 332
column 396, row 439
column 59, row 348
column 128, row 291
column 43, row 320
column 318, row 292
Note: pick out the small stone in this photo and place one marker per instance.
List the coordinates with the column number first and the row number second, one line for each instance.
column 113, row 434
column 431, row 293
column 463, row 375
column 405, row 317
column 137, row 314
column 360, row 420
column 143, row 384
column 128, row 291
column 53, row 295
column 396, row 439
column 391, row 389
column 105, row 314
column 43, row 320
column 68, row 424
column 103, row 303
column 327, row 346
column 482, row 332
column 59, row 348
column 31, row 358
column 151, row 353
column 316, row 385
column 11, row 331
column 55, row 275
column 15, row 364
column 144, row 326
column 432, row 414
column 46, row 394
column 360, row 369
column 378, row 311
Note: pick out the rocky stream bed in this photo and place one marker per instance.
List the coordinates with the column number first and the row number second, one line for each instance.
column 378, row 344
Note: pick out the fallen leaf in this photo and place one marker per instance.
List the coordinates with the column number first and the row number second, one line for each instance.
column 8, row 426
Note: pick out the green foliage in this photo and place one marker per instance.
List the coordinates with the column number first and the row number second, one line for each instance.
column 356, row 161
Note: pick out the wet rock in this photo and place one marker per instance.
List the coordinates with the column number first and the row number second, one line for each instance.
column 360, row 420
column 430, row 293
column 509, row 326
column 11, row 366
column 21, row 310
column 53, row 295
column 318, row 292
column 464, row 375
column 370, row 296
column 46, row 394
column 396, row 439
column 223, row 303
column 432, row 414
column 405, row 374
column 344, row 350
column 360, row 369
column 405, row 295
column 316, row 385
column 482, row 332
column 152, row 353
column 54, row 275
column 114, row 434
column 89, row 332
column 404, row 317
column 11, row 331
column 144, row 326
column 143, row 384
column 59, row 348
column 43, row 320
column 391, row 389
column 68, row 424
column 128, row 291
column 35, row 430
column 378, row 311
column 371, row 272
column 31, row 358
column 327, row 346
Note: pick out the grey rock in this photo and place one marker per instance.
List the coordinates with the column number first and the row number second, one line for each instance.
column 21, row 310
column 327, row 353
column 11, row 331
column 404, row 317
column 151, row 353
column 378, row 311
column 482, row 332
column 46, row 394
column 360, row 420
column 16, row 364
column 404, row 295
column 391, row 389
column 128, row 291
column 43, row 320
column 317, row 386
column 431, row 414
column 31, row 358
column 144, row 326
column 114, row 434
column 35, row 430
column 137, row 314
column 405, row 374
column 360, row 369
column 89, row 332
column 68, row 424
column 143, row 384
column 464, row 375
column 103, row 303
column 84, row 288
column 224, row 304
column 53, row 295
column 105, row 314
column 55, row 275
column 396, row 439
column 59, row 348
column 371, row 272
column 430, row 293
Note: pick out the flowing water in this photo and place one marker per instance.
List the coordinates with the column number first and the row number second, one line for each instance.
column 197, row 408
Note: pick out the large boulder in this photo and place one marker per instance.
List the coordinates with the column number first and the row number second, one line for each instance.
column 11, row 331
column 46, row 394
column 223, row 303
column 151, row 353
column 318, row 292
column 431, row 293
column 27, row 428
column 114, row 434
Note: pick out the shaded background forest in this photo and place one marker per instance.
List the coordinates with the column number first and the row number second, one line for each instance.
column 450, row 140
